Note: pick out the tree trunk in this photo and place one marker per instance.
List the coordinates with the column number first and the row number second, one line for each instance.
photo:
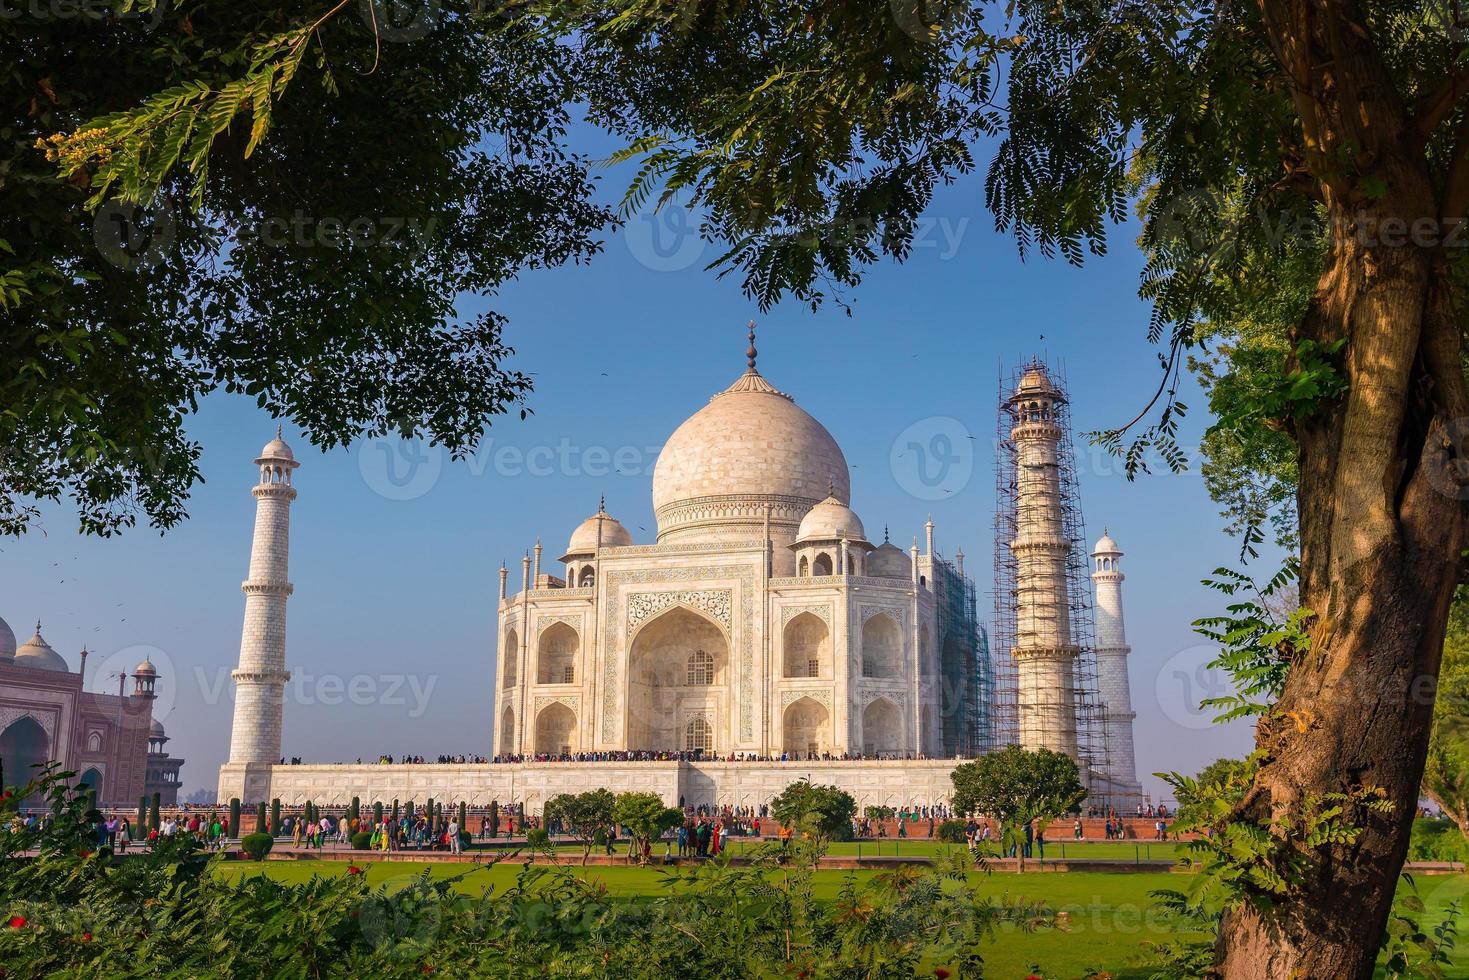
column 1382, row 513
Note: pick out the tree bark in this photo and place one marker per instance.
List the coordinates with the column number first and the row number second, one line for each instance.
column 1382, row 515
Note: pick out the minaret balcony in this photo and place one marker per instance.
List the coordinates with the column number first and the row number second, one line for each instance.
column 1056, row 653
column 267, row 588
column 282, row 490
column 261, row 676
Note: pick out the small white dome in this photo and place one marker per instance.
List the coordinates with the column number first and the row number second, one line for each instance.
column 889, row 561
column 1106, row 546
column 831, row 520
column 7, row 642
column 37, row 654
column 602, row 527
column 276, row 449
column 1035, row 381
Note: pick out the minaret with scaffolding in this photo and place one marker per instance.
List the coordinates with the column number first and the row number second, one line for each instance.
column 1045, row 671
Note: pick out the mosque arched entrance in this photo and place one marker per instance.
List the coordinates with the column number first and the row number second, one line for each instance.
column 24, row 745
column 91, row 779
column 677, row 671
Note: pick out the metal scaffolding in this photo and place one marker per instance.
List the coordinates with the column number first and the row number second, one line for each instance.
column 1091, row 722
column 964, row 663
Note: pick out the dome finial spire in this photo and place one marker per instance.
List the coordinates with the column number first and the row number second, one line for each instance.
column 752, row 352
column 277, row 430
column 602, row 504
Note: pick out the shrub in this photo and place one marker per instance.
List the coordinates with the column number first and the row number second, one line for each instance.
column 362, row 840
column 257, row 845
column 1436, row 840
column 952, row 831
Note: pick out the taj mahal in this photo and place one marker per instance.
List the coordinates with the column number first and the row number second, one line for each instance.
column 764, row 635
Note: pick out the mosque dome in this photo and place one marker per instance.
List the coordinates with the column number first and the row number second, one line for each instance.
column 1106, row 546
column 37, row 654
column 145, row 669
column 155, row 729
column 7, row 642
column 750, row 448
column 830, row 520
column 887, row 560
column 602, row 527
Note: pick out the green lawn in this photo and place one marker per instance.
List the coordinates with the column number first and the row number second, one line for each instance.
column 1110, row 915
column 1068, row 849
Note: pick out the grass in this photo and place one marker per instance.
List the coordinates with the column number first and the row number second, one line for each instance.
column 1110, row 916
column 1055, row 850
column 1108, row 912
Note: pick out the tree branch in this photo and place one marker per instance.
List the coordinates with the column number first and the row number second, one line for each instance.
column 1456, row 181
column 1435, row 107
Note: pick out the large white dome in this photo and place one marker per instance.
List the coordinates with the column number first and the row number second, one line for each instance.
column 37, row 653
column 7, row 642
column 750, row 447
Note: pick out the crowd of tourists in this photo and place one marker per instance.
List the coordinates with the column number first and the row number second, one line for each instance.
column 697, row 755
column 420, row 760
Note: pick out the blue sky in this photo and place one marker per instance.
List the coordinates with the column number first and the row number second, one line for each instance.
column 393, row 620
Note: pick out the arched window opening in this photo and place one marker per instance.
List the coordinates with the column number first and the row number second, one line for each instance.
column 511, row 653
column 882, row 646
column 698, row 736
column 557, row 656
column 701, row 669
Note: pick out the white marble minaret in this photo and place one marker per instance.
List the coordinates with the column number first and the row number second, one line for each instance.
column 260, row 679
column 1045, row 657
column 1112, row 651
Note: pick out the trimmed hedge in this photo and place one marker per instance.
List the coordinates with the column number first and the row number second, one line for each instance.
column 362, row 840
column 952, row 831
column 257, row 845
